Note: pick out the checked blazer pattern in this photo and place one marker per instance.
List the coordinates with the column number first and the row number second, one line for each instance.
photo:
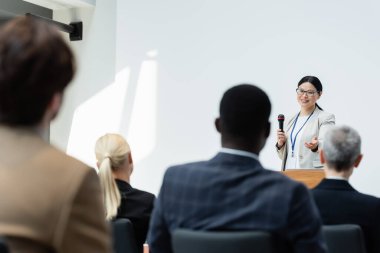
column 234, row 192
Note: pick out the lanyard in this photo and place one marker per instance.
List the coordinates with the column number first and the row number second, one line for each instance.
column 293, row 141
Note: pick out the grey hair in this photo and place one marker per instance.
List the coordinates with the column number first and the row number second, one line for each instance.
column 341, row 146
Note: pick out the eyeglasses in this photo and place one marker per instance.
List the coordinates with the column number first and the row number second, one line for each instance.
column 310, row 93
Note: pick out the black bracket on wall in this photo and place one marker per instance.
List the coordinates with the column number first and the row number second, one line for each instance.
column 74, row 29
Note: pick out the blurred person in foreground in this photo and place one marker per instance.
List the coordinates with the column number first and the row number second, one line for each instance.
column 232, row 191
column 50, row 202
column 337, row 200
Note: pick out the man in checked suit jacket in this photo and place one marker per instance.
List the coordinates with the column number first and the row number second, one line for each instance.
column 49, row 202
column 337, row 200
column 232, row 191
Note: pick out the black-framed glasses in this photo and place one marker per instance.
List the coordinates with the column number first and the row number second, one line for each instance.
column 310, row 93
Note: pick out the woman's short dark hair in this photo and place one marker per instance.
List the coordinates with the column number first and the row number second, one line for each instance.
column 35, row 63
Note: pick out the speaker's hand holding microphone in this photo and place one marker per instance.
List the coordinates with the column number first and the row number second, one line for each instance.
column 281, row 136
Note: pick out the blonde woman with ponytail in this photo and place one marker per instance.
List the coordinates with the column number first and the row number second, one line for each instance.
column 121, row 200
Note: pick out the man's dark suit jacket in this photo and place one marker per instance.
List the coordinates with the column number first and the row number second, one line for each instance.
column 234, row 192
column 137, row 206
column 340, row 203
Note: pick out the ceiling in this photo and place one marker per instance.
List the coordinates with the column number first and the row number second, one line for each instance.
column 63, row 4
column 12, row 8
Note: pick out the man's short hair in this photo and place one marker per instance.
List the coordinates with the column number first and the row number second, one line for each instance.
column 35, row 63
column 244, row 111
column 341, row 147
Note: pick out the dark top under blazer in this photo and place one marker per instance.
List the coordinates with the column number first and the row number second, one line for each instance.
column 340, row 203
column 233, row 192
column 137, row 206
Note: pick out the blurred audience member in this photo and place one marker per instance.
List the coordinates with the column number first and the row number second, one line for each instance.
column 50, row 202
column 337, row 200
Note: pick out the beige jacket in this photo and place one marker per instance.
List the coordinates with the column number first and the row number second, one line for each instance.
column 317, row 126
column 49, row 202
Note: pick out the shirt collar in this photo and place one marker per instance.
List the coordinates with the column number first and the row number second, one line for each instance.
column 239, row 152
column 123, row 184
column 336, row 178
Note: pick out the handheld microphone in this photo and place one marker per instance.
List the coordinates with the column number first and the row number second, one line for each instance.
column 281, row 119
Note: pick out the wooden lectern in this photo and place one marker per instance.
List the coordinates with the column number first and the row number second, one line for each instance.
column 310, row 177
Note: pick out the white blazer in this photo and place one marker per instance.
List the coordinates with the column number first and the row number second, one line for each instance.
column 317, row 126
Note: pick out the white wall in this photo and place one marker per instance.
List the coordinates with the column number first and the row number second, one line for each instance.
column 95, row 55
column 174, row 59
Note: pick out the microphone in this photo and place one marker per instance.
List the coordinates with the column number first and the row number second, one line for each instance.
column 281, row 119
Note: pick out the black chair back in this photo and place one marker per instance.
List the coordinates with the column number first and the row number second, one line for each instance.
column 3, row 246
column 123, row 235
column 188, row 241
column 347, row 238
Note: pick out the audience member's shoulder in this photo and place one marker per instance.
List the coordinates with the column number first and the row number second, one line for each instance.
column 286, row 187
column 177, row 172
column 281, row 179
column 146, row 194
column 370, row 198
column 185, row 166
column 65, row 163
